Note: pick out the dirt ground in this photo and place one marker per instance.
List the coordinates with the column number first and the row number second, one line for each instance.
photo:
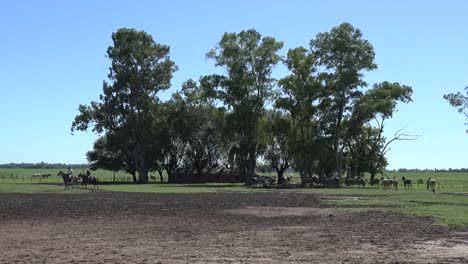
column 104, row 227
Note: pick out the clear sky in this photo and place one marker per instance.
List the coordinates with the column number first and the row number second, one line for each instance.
column 53, row 59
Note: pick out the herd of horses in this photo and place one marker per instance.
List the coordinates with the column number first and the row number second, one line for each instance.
column 316, row 181
column 387, row 183
column 71, row 180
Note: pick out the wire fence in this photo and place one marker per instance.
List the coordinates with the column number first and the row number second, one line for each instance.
column 9, row 178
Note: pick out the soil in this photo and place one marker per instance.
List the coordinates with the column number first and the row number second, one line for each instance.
column 281, row 227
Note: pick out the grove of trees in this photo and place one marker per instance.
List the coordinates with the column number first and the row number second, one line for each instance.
column 321, row 119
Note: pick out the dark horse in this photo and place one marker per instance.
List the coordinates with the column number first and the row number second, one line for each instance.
column 85, row 179
column 68, row 179
column 407, row 183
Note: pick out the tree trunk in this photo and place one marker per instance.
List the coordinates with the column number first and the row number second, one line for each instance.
column 170, row 178
column 161, row 175
column 114, row 177
column 280, row 173
column 304, row 175
column 142, row 175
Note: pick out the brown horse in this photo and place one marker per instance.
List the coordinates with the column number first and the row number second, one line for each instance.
column 68, row 179
column 407, row 183
column 85, row 179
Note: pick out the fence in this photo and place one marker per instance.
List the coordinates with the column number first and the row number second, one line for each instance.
column 9, row 178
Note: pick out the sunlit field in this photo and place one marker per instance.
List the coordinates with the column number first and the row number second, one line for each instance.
column 449, row 205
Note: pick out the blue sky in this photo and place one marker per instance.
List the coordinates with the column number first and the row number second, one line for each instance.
column 53, row 59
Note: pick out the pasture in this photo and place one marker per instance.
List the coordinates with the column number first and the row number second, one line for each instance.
column 211, row 223
column 26, row 176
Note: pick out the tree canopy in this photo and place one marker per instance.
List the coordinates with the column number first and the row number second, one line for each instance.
column 320, row 119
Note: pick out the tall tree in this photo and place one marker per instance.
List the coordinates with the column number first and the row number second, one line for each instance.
column 345, row 56
column 246, row 88
column 301, row 99
column 140, row 68
column 364, row 129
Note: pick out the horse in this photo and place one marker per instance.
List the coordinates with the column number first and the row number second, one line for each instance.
column 85, row 179
column 431, row 183
column 407, row 183
column 386, row 183
column 374, row 182
column 68, row 179
column 36, row 175
column 394, row 183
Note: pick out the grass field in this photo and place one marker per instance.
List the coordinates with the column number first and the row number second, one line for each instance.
column 449, row 205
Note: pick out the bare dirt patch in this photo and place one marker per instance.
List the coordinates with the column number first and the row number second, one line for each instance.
column 212, row 228
column 269, row 212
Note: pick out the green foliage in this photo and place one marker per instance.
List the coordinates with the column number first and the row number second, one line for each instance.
column 325, row 120
column 345, row 56
column 248, row 60
column 459, row 101
column 278, row 152
column 140, row 68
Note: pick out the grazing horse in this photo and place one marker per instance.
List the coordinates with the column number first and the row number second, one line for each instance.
column 386, row 183
column 407, row 183
column 68, row 179
column 36, row 175
column 374, row 182
column 394, row 183
column 85, row 179
column 431, row 184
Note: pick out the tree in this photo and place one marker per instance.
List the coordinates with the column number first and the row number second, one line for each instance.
column 366, row 143
column 301, row 94
column 277, row 152
column 247, row 87
column 344, row 55
column 140, row 69
column 459, row 101
column 108, row 155
column 204, row 135
column 176, row 131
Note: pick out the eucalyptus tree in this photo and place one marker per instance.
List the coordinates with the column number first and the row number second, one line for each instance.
column 301, row 97
column 278, row 152
column 364, row 135
column 344, row 56
column 176, row 133
column 205, row 135
column 246, row 87
column 140, row 68
column 460, row 102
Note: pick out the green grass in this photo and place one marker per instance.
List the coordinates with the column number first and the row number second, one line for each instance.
column 443, row 208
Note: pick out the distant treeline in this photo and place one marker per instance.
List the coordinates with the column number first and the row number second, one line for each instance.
column 41, row 165
column 429, row 170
